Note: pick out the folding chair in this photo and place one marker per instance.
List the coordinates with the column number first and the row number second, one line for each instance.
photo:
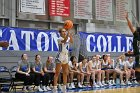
column 16, row 83
column 5, row 79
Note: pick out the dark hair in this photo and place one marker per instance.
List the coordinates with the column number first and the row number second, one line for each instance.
column 36, row 56
column 72, row 57
column 22, row 55
column 60, row 29
column 103, row 56
column 81, row 58
column 138, row 29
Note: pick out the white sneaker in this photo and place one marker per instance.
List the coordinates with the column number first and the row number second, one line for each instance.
column 103, row 83
column 113, row 83
column 59, row 87
column 128, row 82
column 136, row 82
column 29, row 88
column 44, row 88
column 84, row 86
column 95, row 85
column 48, row 88
column 122, row 83
column 88, row 86
column 40, row 89
column 109, row 83
column 79, row 85
column 67, row 86
column 100, row 84
column 64, row 89
column 54, row 91
column 72, row 85
column 24, row 89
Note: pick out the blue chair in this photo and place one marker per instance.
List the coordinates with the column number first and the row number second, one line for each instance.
column 15, row 82
column 5, row 79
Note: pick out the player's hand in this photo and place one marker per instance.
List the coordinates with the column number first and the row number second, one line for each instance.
column 126, row 15
column 27, row 74
column 42, row 73
column 4, row 44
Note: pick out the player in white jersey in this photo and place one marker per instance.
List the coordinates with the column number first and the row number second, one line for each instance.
column 130, row 65
column 121, row 69
column 108, row 68
column 74, row 71
column 92, row 65
column 99, row 66
column 62, row 57
column 83, row 67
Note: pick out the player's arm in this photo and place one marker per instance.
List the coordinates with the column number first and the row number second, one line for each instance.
column 130, row 24
column 71, row 39
column 4, row 44
column 90, row 66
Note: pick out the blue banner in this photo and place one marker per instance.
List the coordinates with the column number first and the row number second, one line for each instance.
column 100, row 42
column 46, row 40
column 29, row 39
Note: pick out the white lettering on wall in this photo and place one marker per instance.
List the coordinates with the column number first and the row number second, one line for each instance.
column 28, row 35
column 46, row 41
column 0, row 36
column 54, row 39
column 129, row 41
column 88, row 43
column 13, row 41
column 101, row 45
column 110, row 46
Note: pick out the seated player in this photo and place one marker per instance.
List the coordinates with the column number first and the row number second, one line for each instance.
column 37, row 68
column 130, row 65
column 49, row 67
column 23, row 73
column 83, row 67
column 94, row 71
column 121, row 69
column 73, row 71
column 107, row 67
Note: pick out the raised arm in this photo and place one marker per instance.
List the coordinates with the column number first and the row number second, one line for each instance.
column 130, row 24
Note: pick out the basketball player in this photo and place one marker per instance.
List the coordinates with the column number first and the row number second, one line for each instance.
column 83, row 67
column 92, row 64
column 62, row 58
column 130, row 65
column 136, row 39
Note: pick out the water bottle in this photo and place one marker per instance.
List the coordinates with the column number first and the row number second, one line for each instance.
column 118, row 81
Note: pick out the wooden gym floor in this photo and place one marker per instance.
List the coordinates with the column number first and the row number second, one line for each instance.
column 117, row 90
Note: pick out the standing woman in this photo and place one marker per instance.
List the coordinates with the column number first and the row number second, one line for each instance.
column 62, row 58
column 23, row 72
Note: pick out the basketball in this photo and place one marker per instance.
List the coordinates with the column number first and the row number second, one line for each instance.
column 68, row 24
